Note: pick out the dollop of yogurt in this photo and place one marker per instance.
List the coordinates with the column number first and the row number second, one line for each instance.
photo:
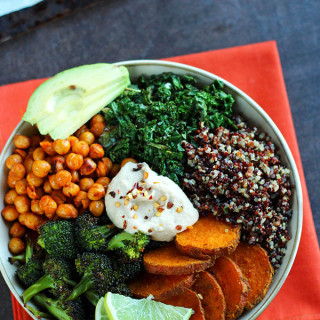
column 138, row 199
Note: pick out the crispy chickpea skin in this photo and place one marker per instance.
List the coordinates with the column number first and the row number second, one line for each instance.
column 21, row 152
column 47, row 187
column 126, row 160
column 41, row 168
column 71, row 189
column 16, row 246
column 96, row 208
column 74, row 161
column 34, row 193
column 13, row 160
column 72, row 140
column 67, row 211
column 58, row 163
column 85, row 184
column 21, row 187
column 63, row 178
column 97, row 129
column 96, row 151
column 87, row 137
column 35, row 207
column 32, row 221
column 33, row 180
column 75, row 175
column 81, row 147
column 114, row 170
column 17, row 172
column 17, row 230
column 28, row 162
column 39, row 154
column 82, row 200
column 48, row 205
column 105, row 181
column 61, row 146
column 22, row 204
column 22, row 142
column 108, row 163
column 48, row 147
column 53, row 182
column 96, row 192
column 102, row 169
column 10, row 213
column 10, row 196
column 58, row 196
column 88, row 167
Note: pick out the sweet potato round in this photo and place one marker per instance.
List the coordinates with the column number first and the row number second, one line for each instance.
column 188, row 299
column 233, row 284
column 169, row 261
column 208, row 237
column 212, row 298
column 160, row 286
column 255, row 266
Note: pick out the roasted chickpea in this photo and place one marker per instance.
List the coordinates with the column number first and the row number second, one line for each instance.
column 87, row 137
column 101, row 170
column 81, row 147
column 63, row 177
column 88, row 167
column 96, row 208
column 98, row 118
column 96, row 151
column 21, row 218
column 34, row 193
column 58, row 163
column 10, row 196
column 58, row 196
column 47, row 187
column 22, row 204
column 67, row 211
column 80, row 130
column 108, row 163
column 97, row 129
column 41, row 168
column 21, row 186
column 13, row 160
column 10, row 213
column 105, row 181
column 61, row 146
column 39, row 154
column 96, row 192
column 74, row 161
column 22, row 142
column 28, row 162
column 53, row 182
column 114, row 170
column 16, row 246
column 85, row 184
column 35, row 140
column 20, row 152
column 32, row 220
column 33, row 180
column 11, row 182
column 48, row 205
column 72, row 140
column 17, row 172
column 126, row 160
column 35, row 207
column 82, row 200
column 48, row 147
column 75, row 176
column 17, row 230
column 71, row 189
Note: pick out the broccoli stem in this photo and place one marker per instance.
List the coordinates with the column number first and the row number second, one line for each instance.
column 84, row 284
column 117, row 241
column 45, row 282
column 39, row 314
column 89, row 294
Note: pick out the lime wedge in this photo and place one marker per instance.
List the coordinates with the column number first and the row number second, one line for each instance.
column 119, row 307
column 101, row 313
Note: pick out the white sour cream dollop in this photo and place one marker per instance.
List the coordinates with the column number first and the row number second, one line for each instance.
column 138, row 199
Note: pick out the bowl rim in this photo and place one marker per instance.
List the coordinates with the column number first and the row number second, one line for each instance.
column 254, row 105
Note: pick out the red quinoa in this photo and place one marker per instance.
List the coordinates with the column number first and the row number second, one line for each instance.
column 238, row 176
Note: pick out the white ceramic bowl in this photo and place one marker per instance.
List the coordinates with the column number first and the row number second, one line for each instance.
column 244, row 105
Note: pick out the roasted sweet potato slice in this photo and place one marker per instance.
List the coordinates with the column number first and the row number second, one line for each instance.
column 255, row 266
column 233, row 284
column 160, row 286
column 208, row 237
column 168, row 260
column 211, row 295
column 188, row 299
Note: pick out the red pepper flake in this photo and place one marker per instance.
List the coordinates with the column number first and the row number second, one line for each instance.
column 72, row 87
column 134, row 227
column 123, row 217
column 134, row 196
column 112, row 194
column 169, row 205
column 124, row 224
column 118, row 191
column 150, row 197
column 149, row 189
column 178, row 227
column 150, row 230
column 160, row 209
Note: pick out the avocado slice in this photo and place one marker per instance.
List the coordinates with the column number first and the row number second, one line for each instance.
column 69, row 99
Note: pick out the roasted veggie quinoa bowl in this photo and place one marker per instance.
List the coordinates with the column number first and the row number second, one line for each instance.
column 178, row 189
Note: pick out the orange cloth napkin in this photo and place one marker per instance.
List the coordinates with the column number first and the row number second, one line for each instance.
column 257, row 71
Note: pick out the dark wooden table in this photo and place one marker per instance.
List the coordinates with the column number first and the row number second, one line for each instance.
column 120, row 30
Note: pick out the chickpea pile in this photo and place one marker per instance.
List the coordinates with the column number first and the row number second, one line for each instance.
column 59, row 179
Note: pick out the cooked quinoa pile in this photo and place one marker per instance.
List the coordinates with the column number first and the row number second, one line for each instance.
column 238, row 176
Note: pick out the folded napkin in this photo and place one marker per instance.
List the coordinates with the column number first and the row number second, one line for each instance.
column 257, row 71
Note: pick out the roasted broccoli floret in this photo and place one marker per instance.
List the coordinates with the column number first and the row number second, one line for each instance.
column 63, row 310
column 129, row 246
column 56, row 277
column 125, row 271
column 122, row 289
column 57, row 238
column 96, row 271
column 91, row 237
column 30, row 272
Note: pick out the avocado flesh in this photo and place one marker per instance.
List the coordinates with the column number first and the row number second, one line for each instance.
column 69, row 99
